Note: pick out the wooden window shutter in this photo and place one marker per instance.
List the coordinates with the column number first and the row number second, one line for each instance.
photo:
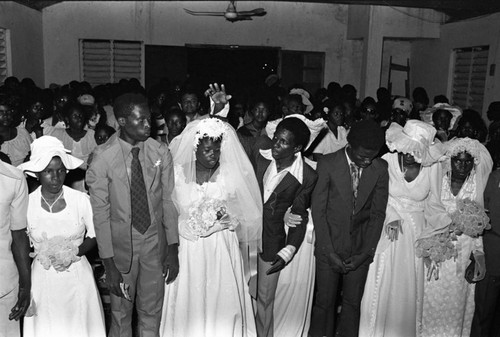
column 469, row 77
column 97, row 61
column 127, row 59
column 108, row 61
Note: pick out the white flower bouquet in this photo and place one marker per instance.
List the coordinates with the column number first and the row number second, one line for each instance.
column 437, row 248
column 469, row 218
column 58, row 251
column 204, row 214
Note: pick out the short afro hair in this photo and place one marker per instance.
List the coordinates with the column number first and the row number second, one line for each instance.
column 298, row 129
column 125, row 104
column 366, row 134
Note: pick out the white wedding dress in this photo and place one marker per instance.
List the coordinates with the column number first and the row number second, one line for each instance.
column 66, row 303
column 392, row 299
column 295, row 290
column 449, row 301
column 210, row 296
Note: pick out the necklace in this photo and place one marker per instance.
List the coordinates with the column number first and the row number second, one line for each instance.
column 55, row 201
column 404, row 169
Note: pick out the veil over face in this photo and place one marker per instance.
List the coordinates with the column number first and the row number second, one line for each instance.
column 234, row 169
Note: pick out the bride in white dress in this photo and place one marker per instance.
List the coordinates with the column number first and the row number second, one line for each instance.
column 392, row 299
column 448, row 305
column 220, row 207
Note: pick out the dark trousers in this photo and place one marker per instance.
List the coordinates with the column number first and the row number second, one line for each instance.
column 487, row 311
column 327, row 282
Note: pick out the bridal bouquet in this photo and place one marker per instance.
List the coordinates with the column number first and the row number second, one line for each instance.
column 204, row 213
column 437, row 248
column 56, row 251
column 469, row 218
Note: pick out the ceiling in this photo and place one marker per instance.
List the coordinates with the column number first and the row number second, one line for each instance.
column 455, row 9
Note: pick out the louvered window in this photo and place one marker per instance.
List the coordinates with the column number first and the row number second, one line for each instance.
column 109, row 61
column 5, row 70
column 469, row 77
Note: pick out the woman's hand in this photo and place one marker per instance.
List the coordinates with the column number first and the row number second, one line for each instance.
column 229, row 222
column 217, row 94
column 217, row 227
column 392, row 229
column 187, row 233
column 290, row 219
column 433, row 270
column 58, row 266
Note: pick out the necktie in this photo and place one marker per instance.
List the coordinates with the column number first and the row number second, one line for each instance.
column 355, row 182
column 138, row 196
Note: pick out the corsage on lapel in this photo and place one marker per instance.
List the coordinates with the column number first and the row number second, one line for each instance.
column 158, row 163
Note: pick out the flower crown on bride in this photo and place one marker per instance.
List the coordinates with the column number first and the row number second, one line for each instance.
column 459, row 145
column 212, row 128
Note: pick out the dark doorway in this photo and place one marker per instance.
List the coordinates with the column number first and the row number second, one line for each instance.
column 239, row 68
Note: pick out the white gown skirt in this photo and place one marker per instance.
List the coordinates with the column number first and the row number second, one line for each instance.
column 210, row 297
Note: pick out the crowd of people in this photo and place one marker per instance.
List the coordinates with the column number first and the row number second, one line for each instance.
column 266, row 212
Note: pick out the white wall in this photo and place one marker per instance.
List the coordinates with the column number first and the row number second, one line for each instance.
column 432, row 59
column 400, row 50
column 25, row 25
column 289, row 25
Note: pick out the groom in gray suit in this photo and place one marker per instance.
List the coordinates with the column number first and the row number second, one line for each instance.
column 131, row 179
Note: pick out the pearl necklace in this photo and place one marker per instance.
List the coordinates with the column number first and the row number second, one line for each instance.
column 55, row 201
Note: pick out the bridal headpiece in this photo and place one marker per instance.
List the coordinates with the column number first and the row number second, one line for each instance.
column 212, row 128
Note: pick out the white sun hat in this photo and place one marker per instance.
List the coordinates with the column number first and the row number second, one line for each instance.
column 415, row 138
column 45, row 148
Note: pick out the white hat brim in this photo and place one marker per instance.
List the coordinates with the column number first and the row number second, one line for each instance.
column 39, row 163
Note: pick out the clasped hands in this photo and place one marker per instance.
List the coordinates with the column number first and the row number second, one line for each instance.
column 344, row 266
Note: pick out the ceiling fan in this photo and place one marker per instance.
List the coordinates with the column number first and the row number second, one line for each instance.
column 231, row 14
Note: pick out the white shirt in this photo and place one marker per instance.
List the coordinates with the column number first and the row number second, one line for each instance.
column 272, row 177
column 330, row 143
column 13, row 213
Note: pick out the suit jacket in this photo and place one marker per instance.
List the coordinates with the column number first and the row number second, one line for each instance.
column 289, row 192
column 109, row 186
column 338, row 228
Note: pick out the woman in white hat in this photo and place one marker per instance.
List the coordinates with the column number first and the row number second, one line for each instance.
column 65, row 300
column 392, row 300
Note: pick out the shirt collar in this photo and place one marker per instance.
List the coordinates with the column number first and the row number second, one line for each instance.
column 296, row 169
column 127, row 147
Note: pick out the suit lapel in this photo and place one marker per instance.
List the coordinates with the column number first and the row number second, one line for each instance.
column 117, row 162
column 261, row 167
column 150, row 163
column 366, row 184
column 342, row 177
column 287, row 181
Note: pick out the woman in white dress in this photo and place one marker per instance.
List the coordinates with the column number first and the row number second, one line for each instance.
column 65, row 300
column 448, row 305
column 392, row 300
column 220, row 207
column 77, row 139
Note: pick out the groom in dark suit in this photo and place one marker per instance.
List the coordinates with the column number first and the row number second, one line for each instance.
column 348, row 209
column 285, row 181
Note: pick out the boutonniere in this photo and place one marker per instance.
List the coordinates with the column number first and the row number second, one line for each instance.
column 158, row 163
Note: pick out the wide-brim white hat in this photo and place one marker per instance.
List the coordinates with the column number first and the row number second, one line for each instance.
column 415, row 138
column 45, row 148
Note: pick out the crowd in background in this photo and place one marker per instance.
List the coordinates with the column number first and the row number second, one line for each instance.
column 425, row 143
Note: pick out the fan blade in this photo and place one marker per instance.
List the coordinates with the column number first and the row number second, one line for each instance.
column 204, row 13
column 254, row 12
column 243, row 17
